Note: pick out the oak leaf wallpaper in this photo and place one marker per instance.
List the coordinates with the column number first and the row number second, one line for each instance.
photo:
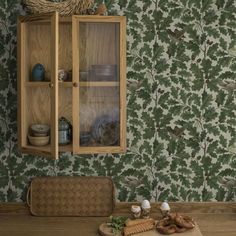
column 181, row 72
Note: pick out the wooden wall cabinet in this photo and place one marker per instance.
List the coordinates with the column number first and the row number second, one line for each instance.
column 93, row 48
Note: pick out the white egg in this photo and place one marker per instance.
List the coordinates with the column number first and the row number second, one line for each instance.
column 165, row 206
column 145, row 204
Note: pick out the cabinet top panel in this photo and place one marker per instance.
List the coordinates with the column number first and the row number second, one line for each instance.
column 86, row 18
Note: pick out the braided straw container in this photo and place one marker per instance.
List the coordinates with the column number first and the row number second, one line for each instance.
column 65, row 8
column 71, row 196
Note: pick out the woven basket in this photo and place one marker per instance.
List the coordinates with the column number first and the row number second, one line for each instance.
column 71, row 196
column 65, row 8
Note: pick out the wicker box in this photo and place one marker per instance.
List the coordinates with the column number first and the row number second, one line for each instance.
column 71, row 196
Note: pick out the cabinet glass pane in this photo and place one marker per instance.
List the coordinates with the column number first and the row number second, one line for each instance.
column 99, row 52
column 36, row 91
column 99, row 116
column 99, row 90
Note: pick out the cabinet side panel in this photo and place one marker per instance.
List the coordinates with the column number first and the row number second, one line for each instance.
column 23, row 75
column 54, row 89
column 123, row 84
column 75, row 92
column 20, row 75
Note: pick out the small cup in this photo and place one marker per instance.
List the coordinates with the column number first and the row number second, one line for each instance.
column 136, row 211
column 146, row 213
column 146, row 208
column 165, row 209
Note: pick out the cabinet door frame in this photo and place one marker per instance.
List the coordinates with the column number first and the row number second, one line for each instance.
column 75, row 96
column 21, row 41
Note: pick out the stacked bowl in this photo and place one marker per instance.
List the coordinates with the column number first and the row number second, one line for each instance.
column 39, row 134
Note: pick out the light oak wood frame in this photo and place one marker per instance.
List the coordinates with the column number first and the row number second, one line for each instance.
column 76, row 20
column 24, row 84
column 51, row 19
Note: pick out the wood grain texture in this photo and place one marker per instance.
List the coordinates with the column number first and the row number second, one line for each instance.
column 95, row 40
column 65, row 46
column 193, row 232
column 186, row 207
column 38, row 106
column 97, row 44
column 38, row 43
column 122, row 62
column 38, row 48
column 15, row 220
column 20, row 81
column 54, row 79
column 65, row 103
column 42, row 18
column 75, row 91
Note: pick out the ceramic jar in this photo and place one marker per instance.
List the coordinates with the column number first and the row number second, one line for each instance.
column 38, row 72
column 64, row 132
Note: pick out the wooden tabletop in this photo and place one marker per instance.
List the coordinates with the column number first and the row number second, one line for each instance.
column 214, row 219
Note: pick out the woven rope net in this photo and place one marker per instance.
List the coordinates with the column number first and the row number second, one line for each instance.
column 65, row 8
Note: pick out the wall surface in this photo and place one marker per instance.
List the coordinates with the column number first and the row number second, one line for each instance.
column 181, row 105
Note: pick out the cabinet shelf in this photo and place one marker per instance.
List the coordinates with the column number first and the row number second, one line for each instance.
column 46, row 148
column 65, row 148
column 70, row 84
column 36, row 150
column 99, row 84
column 37, row 84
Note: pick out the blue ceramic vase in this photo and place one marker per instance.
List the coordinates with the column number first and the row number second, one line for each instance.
column 38, row 72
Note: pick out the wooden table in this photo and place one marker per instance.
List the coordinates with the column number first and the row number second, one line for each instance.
column 214, row 219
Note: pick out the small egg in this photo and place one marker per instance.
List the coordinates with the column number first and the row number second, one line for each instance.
column 165, row 206
column 145, row 204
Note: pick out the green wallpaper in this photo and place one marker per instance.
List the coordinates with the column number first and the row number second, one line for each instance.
column 181, row 106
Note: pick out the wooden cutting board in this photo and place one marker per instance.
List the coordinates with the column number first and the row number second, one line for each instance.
column 105, row 230
column 192, row 232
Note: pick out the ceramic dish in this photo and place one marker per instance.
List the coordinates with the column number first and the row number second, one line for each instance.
column 85, row 138
column 39, row 129
column 103, row 72
column 38, row 141
column 105, row 130
column 83, row 75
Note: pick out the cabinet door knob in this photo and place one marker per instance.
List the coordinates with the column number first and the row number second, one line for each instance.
column 75, row 85
column 51, row 85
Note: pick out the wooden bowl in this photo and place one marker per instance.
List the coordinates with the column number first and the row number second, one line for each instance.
column 38, row 141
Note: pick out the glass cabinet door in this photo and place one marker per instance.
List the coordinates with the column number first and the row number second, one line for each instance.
column 38, row 84
column 99, row 84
